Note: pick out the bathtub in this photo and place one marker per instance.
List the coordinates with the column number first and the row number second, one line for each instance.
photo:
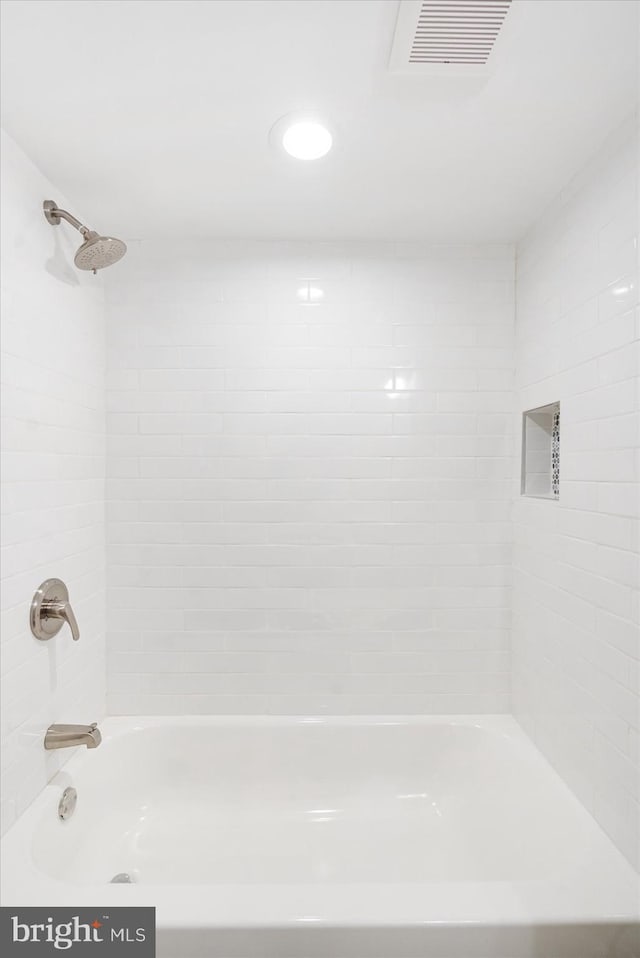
column 430, row 837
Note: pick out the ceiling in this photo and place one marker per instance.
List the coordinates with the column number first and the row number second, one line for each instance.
column 154, row 115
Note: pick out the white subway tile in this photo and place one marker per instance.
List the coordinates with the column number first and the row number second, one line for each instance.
column 576, row 643
column 53, row 503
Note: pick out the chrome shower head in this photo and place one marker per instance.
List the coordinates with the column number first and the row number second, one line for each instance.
column 99, row 251
column 96, row 252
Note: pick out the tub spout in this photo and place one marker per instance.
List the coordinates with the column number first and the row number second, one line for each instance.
column 66, row 736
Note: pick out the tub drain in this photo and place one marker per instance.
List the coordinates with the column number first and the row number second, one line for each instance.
column 122, row 878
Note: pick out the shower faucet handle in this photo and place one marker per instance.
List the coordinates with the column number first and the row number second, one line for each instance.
column 62, row 610
column 50, row 609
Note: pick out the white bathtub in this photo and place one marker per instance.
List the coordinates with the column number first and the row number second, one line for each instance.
column 330, row 838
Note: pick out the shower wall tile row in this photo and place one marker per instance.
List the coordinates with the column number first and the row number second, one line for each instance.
column 576, row 637
column 309, row 478
column 53, row 462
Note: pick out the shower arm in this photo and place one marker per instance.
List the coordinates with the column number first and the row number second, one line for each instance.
column 54, row 214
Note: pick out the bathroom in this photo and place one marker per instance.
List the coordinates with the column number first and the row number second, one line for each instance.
column 320, row 578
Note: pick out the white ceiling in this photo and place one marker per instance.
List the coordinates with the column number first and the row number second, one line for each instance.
column 154, row 115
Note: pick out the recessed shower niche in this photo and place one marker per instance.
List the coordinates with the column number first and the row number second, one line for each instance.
column 541, row 452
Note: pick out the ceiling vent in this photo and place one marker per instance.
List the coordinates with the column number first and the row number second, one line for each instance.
column 446, row 36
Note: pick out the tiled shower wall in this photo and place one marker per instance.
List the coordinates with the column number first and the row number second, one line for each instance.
column 53, row 462
column 309, row 478
column 576, row 640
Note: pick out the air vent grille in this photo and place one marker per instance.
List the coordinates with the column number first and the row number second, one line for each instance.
column 447, row 32
column 457, row 31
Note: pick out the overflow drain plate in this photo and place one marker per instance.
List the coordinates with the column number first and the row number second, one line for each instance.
column 67, row 803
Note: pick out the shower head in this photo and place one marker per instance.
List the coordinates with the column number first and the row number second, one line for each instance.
column 97, row 251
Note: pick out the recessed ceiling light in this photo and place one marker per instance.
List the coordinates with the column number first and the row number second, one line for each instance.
column 307, row 140
column 303, row 136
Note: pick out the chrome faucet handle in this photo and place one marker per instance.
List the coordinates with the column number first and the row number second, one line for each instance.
column 50, row 609
column 62, row 610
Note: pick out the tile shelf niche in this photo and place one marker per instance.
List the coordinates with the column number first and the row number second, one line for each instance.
column 541, row 452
